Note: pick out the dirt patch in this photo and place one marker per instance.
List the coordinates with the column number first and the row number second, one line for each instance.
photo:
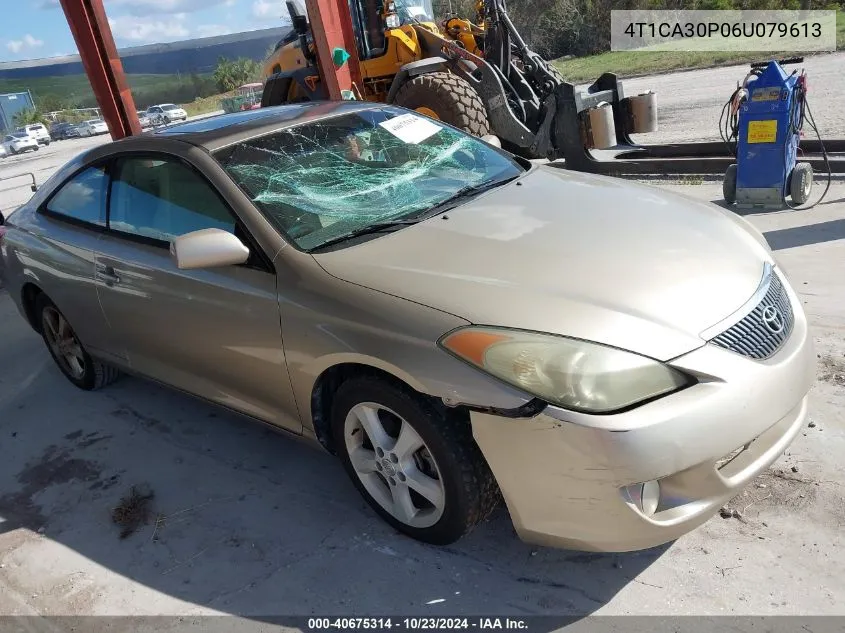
column 777, row 487
column 832, row 370
column 54, row 467
column 91, row 439
column 134, row 510
column 125, row 411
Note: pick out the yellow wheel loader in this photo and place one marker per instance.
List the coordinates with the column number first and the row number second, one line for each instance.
column 479, row 76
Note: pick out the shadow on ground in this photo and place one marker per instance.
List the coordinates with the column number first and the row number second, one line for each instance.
column 806, row 235
column 244, row 520
column 794, row 237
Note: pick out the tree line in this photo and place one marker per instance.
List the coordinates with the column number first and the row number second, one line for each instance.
column 228, row 75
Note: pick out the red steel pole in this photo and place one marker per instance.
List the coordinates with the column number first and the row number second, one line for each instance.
column 331, row 25
column 91, row 31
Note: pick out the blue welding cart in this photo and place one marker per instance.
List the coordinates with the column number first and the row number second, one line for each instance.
column 770, row 108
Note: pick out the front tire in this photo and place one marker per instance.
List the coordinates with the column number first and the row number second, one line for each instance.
column 70, row 356
column 446, row 97
column 419, row 469
column 729, row 184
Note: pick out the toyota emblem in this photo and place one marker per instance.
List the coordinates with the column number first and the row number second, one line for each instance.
column 773, row 320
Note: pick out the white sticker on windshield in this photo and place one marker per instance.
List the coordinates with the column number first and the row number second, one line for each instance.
column 410, row 128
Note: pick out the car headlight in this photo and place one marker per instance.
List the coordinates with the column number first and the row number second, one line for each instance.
column 570, row 373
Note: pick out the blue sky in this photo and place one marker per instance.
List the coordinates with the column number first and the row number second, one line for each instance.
column 37, row 28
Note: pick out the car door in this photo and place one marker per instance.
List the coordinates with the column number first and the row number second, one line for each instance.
column 60, row 258
column 212, row 332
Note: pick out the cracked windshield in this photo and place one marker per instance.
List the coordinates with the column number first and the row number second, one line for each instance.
column 321, row 181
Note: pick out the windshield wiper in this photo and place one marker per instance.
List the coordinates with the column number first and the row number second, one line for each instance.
column 377, row 227
column 462, row 194
column 450, row 202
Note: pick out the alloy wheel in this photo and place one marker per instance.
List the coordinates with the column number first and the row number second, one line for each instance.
column 63, row 342
column 394, row 465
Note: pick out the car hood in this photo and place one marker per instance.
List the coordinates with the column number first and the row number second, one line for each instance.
column 575, row 254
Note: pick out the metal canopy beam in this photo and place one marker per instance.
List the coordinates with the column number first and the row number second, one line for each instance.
column 91, row 31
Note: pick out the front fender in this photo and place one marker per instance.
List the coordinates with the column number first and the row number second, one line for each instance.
column 412, row 69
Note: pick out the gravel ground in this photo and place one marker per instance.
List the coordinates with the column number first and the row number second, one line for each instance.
column 244, row 521
column 689, row 102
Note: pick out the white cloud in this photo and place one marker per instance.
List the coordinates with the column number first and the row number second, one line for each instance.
column 27, row 42
column 148, row 7
column 266, row 9
column 49, row 4
column 148, row 30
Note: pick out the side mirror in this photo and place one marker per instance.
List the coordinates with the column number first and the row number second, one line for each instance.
column 208, row 248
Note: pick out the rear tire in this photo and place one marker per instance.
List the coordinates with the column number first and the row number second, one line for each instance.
column 416, row 448
column 452, row 99
column 801, row 183
column 70, row 356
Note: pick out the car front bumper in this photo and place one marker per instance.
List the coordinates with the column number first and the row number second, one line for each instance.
column 570, row 480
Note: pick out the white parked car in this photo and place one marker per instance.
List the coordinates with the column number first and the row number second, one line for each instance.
column 38, row 131
column 165, row 113
column 93, row 127
column 19, row 142
column 144, row 119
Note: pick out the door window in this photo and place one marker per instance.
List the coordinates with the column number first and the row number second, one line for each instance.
column 163, row 199
column 83, row 197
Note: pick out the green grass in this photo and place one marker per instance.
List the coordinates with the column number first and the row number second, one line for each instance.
column 204, row 105
column 840, row 30
column 634, row 63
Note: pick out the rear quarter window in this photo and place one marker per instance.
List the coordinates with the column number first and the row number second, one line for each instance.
column 82, row 198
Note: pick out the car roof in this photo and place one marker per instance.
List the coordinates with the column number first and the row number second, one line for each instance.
column 215, row 132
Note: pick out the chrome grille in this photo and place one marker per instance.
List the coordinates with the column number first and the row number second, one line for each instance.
column 756, row 334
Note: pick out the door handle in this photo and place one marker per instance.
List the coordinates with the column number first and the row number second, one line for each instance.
column 107, row 274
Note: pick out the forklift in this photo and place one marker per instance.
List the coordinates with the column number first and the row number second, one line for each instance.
column 479, row 76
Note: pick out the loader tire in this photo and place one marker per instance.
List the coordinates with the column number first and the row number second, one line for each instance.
column 449, row 98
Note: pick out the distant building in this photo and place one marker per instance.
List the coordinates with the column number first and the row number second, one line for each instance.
column 188, row 56
column 10, row 104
